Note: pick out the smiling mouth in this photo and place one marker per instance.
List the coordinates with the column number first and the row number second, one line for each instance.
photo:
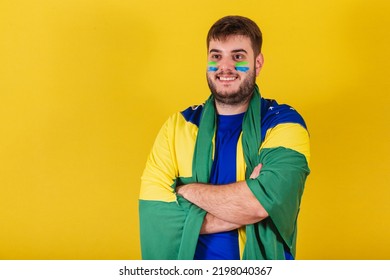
column 226, row 79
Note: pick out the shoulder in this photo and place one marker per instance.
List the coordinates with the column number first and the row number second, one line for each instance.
column 273, row 114
column 283, row 126
column 193, row 114
column 182, row 121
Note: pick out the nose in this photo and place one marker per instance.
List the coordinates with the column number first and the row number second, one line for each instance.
column 226, row 64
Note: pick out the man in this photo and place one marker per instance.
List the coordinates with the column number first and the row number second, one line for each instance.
column 224, row 180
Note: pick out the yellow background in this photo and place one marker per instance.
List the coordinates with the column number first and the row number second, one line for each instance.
column 85, row 86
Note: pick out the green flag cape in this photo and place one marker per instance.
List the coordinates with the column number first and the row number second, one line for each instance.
column 278, row 188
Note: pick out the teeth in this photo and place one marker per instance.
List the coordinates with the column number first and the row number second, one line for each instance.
column 227, row 78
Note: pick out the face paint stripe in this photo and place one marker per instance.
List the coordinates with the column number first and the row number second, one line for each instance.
column 241, row 66
column 212, row 66
column 242, row 63
column 242, row 69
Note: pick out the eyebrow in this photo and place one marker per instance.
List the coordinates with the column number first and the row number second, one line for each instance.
column 239, row 50
column 233, row 51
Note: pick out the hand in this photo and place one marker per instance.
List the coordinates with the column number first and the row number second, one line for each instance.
column 256, row 172
column 177, row 190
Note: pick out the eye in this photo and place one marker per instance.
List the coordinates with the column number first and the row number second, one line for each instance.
column 238, row 57
column 215, row 56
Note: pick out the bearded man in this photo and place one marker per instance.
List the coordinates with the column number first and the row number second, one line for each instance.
column 224, row 180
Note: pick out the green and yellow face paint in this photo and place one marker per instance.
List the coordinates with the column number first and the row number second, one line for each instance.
column 242, row 66
column 212, row 66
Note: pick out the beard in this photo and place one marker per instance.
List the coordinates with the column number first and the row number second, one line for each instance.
column 242, row 95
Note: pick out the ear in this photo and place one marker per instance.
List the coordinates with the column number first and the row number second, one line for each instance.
column 259, row 63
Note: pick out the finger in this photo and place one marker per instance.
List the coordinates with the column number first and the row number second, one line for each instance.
column 256, row 171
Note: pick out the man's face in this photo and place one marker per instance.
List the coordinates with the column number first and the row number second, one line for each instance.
column 232, row 69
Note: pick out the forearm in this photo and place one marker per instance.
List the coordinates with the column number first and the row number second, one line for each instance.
column 233, row 203
column 212, row 224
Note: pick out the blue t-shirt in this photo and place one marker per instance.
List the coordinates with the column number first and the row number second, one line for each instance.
column 223, row 245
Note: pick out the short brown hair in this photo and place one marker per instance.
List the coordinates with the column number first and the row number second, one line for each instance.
column 236, row 25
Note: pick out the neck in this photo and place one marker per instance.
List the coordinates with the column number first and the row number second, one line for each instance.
column 231, row 109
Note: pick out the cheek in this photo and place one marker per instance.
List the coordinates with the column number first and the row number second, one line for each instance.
column 242, row 66
column 212, row 66
column 210, row 76
column 242, row 69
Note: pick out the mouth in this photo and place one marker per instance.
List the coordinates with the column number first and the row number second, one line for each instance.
column 226, row 78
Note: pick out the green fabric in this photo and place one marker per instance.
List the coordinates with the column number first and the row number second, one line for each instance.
column 278, row 188
column 161, row 229
column 170, row 230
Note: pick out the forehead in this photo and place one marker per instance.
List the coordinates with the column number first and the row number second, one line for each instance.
column 231, row 43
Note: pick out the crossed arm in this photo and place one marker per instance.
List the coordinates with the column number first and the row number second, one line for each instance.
column 228, row 206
